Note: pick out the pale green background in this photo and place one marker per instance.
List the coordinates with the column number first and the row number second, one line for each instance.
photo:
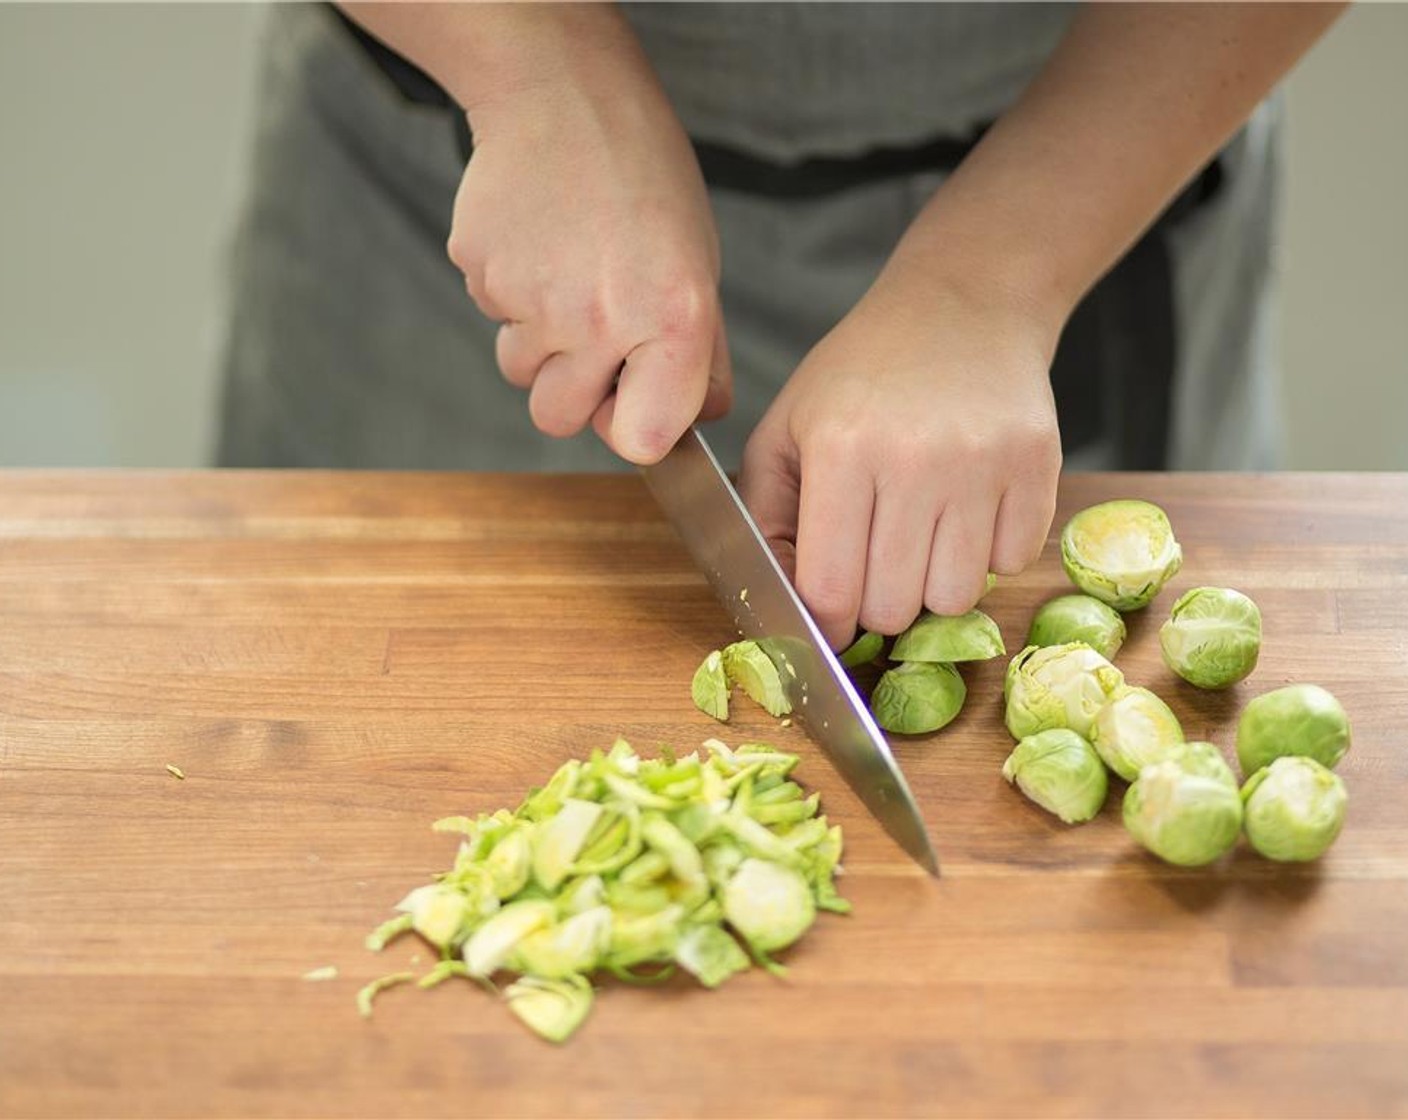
column 123, row 135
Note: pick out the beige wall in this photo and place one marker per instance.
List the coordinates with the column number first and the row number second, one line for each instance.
column 122, row 135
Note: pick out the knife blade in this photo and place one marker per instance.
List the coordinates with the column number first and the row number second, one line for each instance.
column 705, row 509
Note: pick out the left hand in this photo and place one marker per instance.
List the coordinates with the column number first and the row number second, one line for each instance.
column 912, row 451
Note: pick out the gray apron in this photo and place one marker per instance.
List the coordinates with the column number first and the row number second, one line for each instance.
column 822, row 131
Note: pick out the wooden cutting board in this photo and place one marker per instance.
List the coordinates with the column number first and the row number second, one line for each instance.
column 335, row 660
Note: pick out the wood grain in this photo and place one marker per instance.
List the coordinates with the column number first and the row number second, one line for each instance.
column 336, row 660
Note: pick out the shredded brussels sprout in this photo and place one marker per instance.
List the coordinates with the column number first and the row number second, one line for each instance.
column 628, row 866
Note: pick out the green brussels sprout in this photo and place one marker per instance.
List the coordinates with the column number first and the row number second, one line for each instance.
column 550, row 1008
column 1294, row 809
column 1203, row 760
column 989, row 584
column 1120, row 552
column 746, row 665
column 1133, row 730
column 917, row 697
column 710, row 954
column 709, row 688
column 1057, row 686
column 1061, row 772
column 1078, row 618
column 947, row 638
column 1300, row 719
column 438, row 913
column 1212, row 637
column 863, row 650
column 577, row 945
column 1183, row 818
column 558, row 842
column 493, row 942
column 768, row 904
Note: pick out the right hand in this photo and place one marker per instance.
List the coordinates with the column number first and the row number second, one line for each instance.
column 582, row 225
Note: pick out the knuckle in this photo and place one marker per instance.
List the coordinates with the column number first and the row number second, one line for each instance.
column 887, row 617
column 686, row 307
column 832, row 599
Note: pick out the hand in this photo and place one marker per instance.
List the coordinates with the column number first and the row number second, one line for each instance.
column 912, row 451
column 583, row 226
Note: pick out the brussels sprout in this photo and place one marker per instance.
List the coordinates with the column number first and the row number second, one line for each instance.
column 1300, row 719
column 486, row 951
column 917, row 697
column 637, row 938
column 1212, row 637
column 1133, row 730
column 1057, row 686
column 746, row 665
column 1078, row 618
column 947, row 638
column 863, row 650
column 550, row 1008
column 1121, row 552
column 989, row 584
column 1183, row 818
column 577, row 945
column 559, row 841
column 1061, row 772
column 710, row 954
column 1294, row 809
column 1203, row 760
column 710, row 687
column 768, row 904
column 438, row 913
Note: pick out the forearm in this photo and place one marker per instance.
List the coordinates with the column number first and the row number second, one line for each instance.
column 1133, row 102
column 485, row 53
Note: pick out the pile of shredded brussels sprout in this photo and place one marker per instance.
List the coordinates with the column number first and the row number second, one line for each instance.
column 630, row 866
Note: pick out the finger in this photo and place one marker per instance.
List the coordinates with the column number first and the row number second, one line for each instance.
column 718, row 398
column 569, row 388
column 897, row 563
column 833, row 532
column 659, row 394
column 1023, row 520
column 958, row 562
column 769, row 484
column 521, row 351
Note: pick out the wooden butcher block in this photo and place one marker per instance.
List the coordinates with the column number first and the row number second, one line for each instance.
column 336, row 660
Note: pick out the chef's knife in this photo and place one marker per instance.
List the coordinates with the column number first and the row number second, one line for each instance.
column 698, row 498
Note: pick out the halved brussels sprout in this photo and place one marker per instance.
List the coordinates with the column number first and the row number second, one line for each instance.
column 863, row 650
column 917, row 697
column 1078, row 618
column 1212, row 637
column 1183, row 818
column 550, row 1008
column 768, row 904
column 1134, row 730
column 1057, row 686
column 1120, row 552
column 948, row 638
column 1294, row 809
column 709, row 688
column 1300, row 719
column 746, row 665
column 1061, row 772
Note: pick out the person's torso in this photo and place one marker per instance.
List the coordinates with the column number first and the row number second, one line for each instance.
column 789, row 80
